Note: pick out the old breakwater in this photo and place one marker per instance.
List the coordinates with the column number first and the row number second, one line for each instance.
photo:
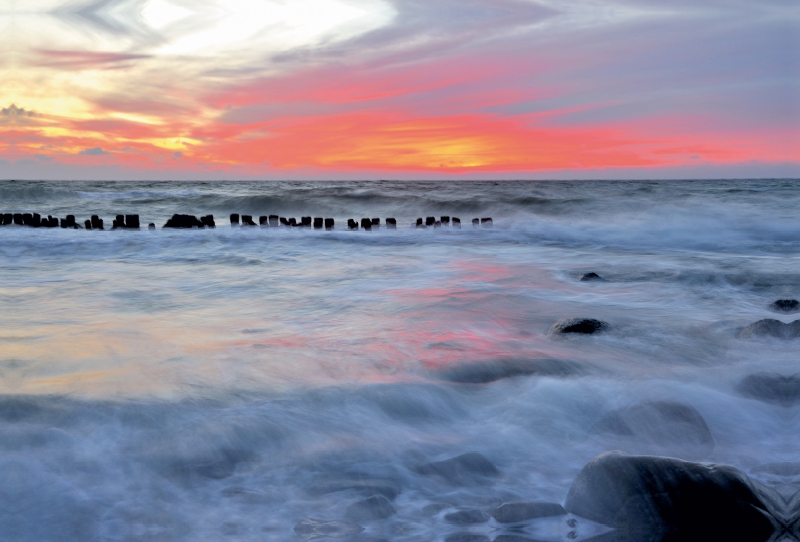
column 185, row 221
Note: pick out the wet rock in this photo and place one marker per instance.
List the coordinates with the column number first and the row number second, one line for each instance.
column 589, row 277
column 293, row 222
column 486, row 222
column 786, row 305
column 467, row 517
column 283, row 221
column 430, row 220
column 420, row 223
column 376, row 222
column 493, row 370
column 586, row 326
column 27, row 219
column 97, row 222
column 663, row 499
column 372, row 508
column 247, row 220
column 18, row 219
column 87, row 224
column 773, row 388
column 445, row 220
column 467, row 468
column 352, row 224
column 364, row 486
column 234, row 219
column 208, row 221
column 263, row 221
column 8, row 219
column 456, row 222
column 305, row 221
column 769, row 327
column 119, row 222
column 132, row 222
column 184, row 222
column 318, row 221
column 329, row 223
column 309, row 529
column 660, row 422
column 437, row 224
column 515, row 512
column 366, row 223
column 466, row 537
column 391, row 222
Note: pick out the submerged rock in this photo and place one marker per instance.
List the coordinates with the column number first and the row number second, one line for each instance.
column 467, row 517
column 493, row 370
column 586, row 326
column 660, row 422
column 466, row 468
column 774, row 388
column 372, row 508
column 309, row 529
column 668, row 500
column 366, row 486
column 786, row 305
column 589, row 277
column 769, row 327
column 516, row 512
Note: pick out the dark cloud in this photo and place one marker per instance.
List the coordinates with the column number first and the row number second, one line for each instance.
column 95, row 151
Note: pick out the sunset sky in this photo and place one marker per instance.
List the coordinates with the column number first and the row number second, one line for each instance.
column 296, row 89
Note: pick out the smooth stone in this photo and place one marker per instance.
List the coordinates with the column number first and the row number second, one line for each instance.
column 786, row 305
column 663, row 499
column 588, row 277
column 586, row 326
column 308, row 529
column 515, row 512
column 466, row 468
column 372, row 508
column 774, row 388
column 494, row 370
column 467, row 517
column 362, row 485
column 769, row 327
column 661, row 422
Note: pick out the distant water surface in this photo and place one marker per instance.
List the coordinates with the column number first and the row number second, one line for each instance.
column 198, row 385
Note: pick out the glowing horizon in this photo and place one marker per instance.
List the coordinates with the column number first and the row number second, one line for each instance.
column 348, row 88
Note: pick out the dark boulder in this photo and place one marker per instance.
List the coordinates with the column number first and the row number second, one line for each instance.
column 309, row 529
column 132, row 222
column 263, row 220
column 87, row 224
column 589, row 277
column 372, row 508
column 420, row 223
column 18, row 219
column 184, row 222
column 467, row 468
column 486, row 222
column 773, row 388
column 318, row 221
column 52, row 222
column 467, row 517
column 516, row 512
column 657, row 499
column 8, row 219
column 352, row 224
column 786, row 305
column 27, row 219
column 36, row 220
column 429, row 220
column 586, row 326
column 769, row 327
column 151, row 226
column 234, row 219
column 97, row 222
column 247, row 220
column 208, row 221
column 292, row 222
column 366, row 223
column 445, row 220
column 391, row 223
column 283, row 220
column 329, row 223
column 361, row 485
column 483, row 372
column 305, row 221
column 376, row 222
column 659, row 422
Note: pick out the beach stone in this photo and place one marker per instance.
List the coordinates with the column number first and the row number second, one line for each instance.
column 647, row 498
column 515, row 512
column 774, row 388
column 365, row 486
column 309, row 529
column 151, row 226
column 467, row 517
column 372, row 508
column 464, row 469
column 493, row 370
column 661, row 422
column 283, row 221
column 786, row 305
column 586, row 326
column 589, row 277
column 769, row 327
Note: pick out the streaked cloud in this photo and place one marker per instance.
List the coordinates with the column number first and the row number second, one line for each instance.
column 411, row 87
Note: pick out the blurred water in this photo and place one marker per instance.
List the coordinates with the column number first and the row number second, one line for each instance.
column 196, row 385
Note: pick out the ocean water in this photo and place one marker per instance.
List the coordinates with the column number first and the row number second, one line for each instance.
column 226, row 384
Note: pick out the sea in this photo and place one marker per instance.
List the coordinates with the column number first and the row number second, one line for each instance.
column 257, row 383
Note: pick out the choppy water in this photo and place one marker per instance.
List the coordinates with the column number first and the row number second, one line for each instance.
column 201, row 385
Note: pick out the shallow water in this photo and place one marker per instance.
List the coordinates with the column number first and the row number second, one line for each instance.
column 203, row 384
